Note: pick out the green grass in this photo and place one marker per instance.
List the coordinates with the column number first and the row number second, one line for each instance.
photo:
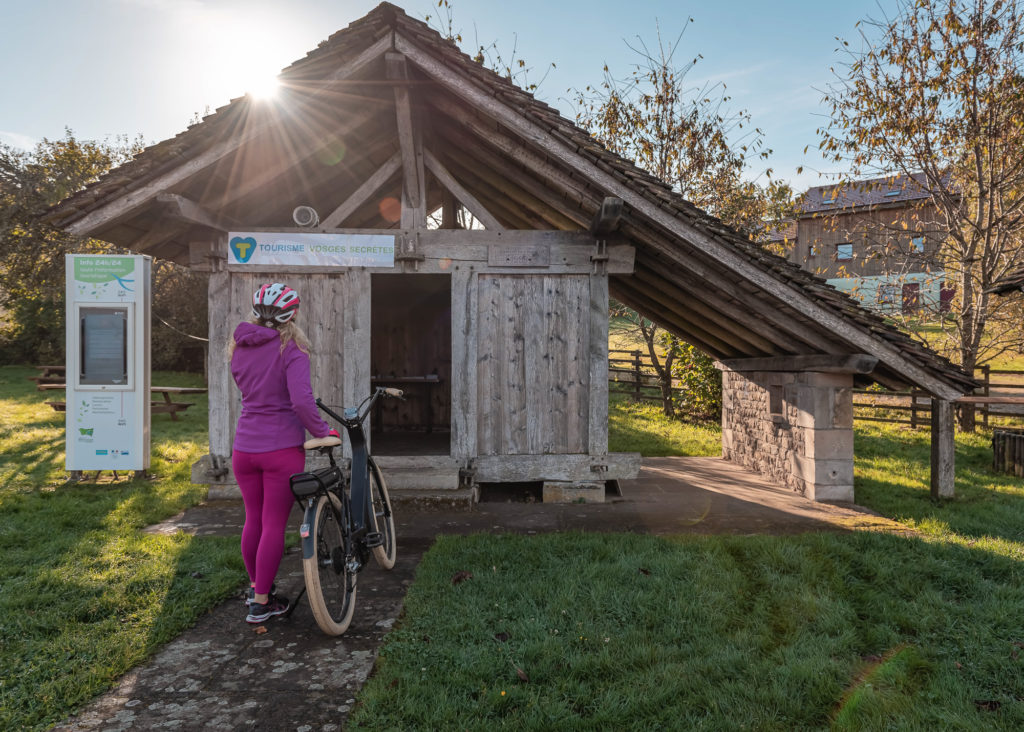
column 84, row 594
column 920, row 629
column 642, row 427
column 856, row 631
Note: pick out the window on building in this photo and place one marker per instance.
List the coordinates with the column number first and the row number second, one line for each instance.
column 828, row 195
column 917, row 244
column 888, row 294
column 844, row 252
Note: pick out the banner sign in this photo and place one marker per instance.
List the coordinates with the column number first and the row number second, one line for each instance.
column 104, row 278
column 311, row 250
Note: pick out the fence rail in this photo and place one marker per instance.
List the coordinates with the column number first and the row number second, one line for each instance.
column 893, row 406
column 632, row 372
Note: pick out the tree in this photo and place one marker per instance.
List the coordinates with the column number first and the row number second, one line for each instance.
column 32, row 252
column 937, row 91
column 687, row 137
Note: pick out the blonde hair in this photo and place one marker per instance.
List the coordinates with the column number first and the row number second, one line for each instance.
column 289, row 331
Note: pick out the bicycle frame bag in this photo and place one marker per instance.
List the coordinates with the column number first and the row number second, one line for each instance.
column 304, row 485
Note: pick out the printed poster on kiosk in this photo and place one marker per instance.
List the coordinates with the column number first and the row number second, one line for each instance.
column 108, row 382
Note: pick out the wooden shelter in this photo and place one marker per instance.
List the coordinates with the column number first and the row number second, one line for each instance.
column 500, row 332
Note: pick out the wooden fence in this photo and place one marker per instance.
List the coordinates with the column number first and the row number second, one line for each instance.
column 914, row 407
column 633, row 373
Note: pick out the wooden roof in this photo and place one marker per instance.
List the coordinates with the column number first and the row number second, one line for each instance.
column 848, row 196
column 248, row 165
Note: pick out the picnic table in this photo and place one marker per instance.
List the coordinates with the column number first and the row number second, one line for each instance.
column 49, row 375
column 165, row 406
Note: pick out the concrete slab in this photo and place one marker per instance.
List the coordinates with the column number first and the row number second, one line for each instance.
column 225, row 674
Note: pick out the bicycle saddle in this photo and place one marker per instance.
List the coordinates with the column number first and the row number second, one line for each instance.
column 325, row 441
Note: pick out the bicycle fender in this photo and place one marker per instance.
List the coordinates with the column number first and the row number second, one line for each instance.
column 306, row 532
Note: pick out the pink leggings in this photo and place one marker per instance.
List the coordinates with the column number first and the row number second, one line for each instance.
column 263, row 479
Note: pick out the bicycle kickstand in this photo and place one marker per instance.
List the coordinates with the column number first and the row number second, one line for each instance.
column 295, row 603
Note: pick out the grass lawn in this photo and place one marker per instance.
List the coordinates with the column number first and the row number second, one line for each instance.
column 84, row 594
column 920, row 630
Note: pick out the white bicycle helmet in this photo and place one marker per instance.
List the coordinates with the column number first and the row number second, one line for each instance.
column 275, row 302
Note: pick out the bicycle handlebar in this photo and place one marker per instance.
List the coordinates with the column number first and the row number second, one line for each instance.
column 359, row 417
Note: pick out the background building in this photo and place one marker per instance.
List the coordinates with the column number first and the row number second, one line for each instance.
column 877, row 240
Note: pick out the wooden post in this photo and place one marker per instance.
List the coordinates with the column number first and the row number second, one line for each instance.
column 913, row 409
column 987, row 371
column 464, row 364
column 637, row 393
column 943, row 467
column 597, row 413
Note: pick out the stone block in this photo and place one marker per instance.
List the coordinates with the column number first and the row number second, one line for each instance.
column 557, row 491
column 822, row 472
column 836, row 444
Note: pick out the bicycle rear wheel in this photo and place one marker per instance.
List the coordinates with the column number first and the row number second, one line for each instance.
column 329, row 584
column 383, row 518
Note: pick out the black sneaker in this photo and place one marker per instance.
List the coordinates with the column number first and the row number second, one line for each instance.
column 274, row 605
column 252, row 591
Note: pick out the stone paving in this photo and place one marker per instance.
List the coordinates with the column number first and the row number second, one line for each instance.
column 223, row 674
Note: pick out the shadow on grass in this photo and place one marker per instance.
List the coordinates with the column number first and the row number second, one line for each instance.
column 892, row 478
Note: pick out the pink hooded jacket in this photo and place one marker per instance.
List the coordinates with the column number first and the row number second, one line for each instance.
column 277, row 399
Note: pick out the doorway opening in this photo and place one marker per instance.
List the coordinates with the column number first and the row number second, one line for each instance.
column 411, row 349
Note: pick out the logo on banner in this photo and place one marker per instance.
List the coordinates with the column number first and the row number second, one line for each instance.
column 243, row 247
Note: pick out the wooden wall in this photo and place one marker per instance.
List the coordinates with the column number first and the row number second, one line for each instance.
column 880, row 237
column 533, row 364
column 334, row 313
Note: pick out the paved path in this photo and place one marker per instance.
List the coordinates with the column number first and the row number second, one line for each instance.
column 222, row 674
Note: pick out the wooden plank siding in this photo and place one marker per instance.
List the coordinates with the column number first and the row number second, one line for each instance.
column 870, row 231
column 534, row 365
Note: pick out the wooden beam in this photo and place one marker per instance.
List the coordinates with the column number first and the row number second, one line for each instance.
column 495, row 181
column 943, row 462
column 671, row 322
column 521, row 185
column 132, row 200
column 162, row 232
column 466, row 198
column 718, row 342
column 271, row 175
column 856, row 363
column 363, row 193
column 742, row 331
column 185, row 209
column 607, row 219
column 541, row 138
column 413, row 189
column 707, row 275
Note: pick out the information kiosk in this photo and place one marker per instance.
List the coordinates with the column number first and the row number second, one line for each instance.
column 108, row 368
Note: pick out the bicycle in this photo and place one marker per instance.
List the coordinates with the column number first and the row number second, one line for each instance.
column 344, row 521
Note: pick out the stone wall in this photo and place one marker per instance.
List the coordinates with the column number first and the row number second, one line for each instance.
column 794, row 428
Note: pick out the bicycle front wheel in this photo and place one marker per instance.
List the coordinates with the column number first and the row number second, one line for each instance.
column 329, row 584
column 383, row 518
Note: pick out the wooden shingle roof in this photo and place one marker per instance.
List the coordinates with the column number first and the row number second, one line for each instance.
column 531, row 167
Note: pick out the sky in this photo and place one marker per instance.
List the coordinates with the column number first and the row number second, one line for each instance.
column 104, row 68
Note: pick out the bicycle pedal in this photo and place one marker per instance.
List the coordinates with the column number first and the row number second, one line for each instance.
column 374, row 539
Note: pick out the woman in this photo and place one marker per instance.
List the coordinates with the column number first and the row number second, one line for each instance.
column 270, row 365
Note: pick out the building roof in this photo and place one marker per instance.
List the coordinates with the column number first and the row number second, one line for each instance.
column 530, row 167
column 846, row 196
